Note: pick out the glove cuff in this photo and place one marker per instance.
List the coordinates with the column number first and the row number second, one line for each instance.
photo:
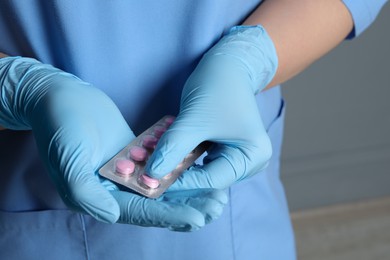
column 253, row 47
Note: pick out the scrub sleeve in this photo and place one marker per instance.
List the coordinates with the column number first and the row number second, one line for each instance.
column 363, row 13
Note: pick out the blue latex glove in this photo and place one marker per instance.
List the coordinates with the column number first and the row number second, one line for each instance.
column 77, row 129
column 218, row 104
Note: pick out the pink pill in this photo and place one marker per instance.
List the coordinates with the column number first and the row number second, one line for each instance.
column 149, row 141
column 159, row 131
column 125, row 167
column 150, row 182
column 169, row 120
column 138, row 153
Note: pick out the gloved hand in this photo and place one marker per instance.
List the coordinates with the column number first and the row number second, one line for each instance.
column 218, row 104
column 77, row 129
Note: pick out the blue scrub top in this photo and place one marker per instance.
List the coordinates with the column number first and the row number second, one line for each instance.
column 140, row 53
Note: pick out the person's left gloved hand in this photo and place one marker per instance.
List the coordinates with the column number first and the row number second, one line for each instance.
column 77, row 128
column 218, row 104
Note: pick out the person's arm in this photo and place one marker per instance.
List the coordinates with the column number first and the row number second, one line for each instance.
column 302, row 31
column 279, row 40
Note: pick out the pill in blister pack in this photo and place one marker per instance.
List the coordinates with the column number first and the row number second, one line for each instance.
column 128, row 166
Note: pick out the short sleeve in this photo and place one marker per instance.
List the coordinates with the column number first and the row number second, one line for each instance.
column 363, row 13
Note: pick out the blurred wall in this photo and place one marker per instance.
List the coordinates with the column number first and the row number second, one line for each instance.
column 337, row 134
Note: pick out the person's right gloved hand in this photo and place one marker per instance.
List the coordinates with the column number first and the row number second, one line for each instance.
column 78, row 128
column 218, row 104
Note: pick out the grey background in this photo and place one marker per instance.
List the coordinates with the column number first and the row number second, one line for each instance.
column 337, row 134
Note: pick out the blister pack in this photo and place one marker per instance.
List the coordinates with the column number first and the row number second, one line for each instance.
column 127, row 168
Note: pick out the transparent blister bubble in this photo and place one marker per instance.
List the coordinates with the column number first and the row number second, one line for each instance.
column 127, row 167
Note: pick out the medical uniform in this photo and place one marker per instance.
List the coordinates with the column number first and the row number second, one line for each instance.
column 139, row 53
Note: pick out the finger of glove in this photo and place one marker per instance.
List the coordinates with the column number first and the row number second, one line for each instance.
column 107, row 184
column 173, row 147
column 86, row 192
column 73, row 171
column 218, row 174
column 142, row 211
column 224, row 165
column 209, row 202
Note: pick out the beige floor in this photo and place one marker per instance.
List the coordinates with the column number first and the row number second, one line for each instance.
column 356, row 231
